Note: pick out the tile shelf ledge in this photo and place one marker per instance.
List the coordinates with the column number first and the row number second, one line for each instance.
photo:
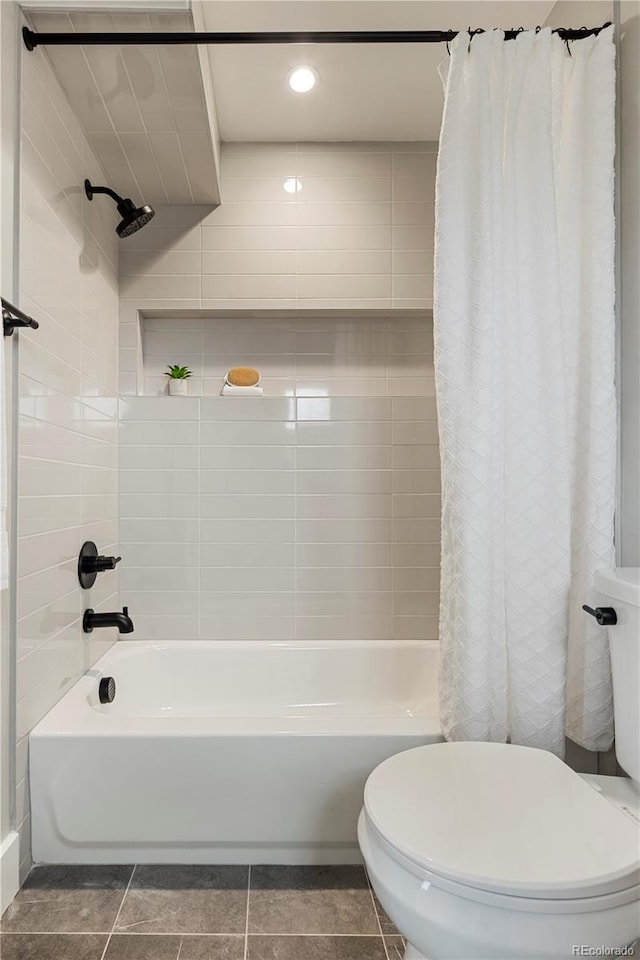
column 292, row 314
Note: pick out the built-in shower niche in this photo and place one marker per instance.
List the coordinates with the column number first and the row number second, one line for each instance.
column 360, row 354
column 310, row 513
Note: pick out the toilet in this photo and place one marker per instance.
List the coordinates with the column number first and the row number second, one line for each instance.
column 490, row 851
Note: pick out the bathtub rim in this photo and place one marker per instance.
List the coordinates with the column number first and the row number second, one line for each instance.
column 74, row 715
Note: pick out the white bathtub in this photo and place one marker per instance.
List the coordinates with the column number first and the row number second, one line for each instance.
column 216, row 752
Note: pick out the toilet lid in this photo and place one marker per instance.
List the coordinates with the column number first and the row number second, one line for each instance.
column 512, row 820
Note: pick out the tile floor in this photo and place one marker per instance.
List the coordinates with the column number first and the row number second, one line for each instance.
column 197, row 913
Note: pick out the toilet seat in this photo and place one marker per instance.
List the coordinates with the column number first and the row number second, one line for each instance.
column 499, row 822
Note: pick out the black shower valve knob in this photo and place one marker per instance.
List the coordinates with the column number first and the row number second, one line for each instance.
column 106, row 563
column 91, row 563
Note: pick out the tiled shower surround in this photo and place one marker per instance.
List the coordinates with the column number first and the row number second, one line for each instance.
column 311, row 513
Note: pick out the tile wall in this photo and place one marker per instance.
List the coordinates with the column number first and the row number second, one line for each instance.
column 358, row 234
column 311, row 513
column 68, row 408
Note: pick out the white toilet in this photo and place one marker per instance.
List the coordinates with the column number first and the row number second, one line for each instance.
column 487, row 850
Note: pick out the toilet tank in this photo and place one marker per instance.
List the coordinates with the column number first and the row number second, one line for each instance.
column 620, row 589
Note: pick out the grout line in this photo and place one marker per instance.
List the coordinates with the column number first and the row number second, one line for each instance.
column 246, row 926
column 117, row 917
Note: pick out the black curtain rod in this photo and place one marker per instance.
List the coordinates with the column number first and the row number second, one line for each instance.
column 33, row 39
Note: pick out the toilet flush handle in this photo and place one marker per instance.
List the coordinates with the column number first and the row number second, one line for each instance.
column 606, row 616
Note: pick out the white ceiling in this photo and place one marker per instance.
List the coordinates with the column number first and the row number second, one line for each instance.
column 152, row 112
column 144, row 109
column 366, row 91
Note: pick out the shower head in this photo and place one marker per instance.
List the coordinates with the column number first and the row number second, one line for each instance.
column 133, row 218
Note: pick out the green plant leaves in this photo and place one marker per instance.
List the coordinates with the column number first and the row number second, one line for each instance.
column 176, row 372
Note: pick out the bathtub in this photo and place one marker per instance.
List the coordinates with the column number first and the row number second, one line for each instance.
column 225, row 752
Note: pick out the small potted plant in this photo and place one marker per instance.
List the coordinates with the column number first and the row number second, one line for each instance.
column 178, row 376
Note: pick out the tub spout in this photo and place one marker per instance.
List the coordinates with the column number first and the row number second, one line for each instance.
column 122, row 621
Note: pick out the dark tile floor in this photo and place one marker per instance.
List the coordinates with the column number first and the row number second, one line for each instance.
column 197, row 913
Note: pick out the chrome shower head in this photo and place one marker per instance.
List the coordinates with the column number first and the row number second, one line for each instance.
column 133, row 218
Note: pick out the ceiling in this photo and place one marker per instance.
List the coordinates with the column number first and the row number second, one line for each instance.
column 144, row 109
column 365, row 91
column 155, row 114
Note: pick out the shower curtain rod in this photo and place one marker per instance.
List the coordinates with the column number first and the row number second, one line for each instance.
column 34, row 39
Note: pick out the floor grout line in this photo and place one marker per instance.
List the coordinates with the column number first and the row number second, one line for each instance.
column 246, row 925
column 117, row 917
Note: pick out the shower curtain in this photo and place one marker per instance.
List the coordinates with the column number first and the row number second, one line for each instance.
column 524, row 355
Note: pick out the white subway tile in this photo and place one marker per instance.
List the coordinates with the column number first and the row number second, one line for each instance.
column 261, row 531
column 247, row 408
column 139, row 506
column 341, row 530
column 341, row 555
column 249, row 238
column 344, row 505
column 347, row 189
column 337, row 433
column 417, row 481
column 153, row 577
column 337, row 262
column 415, row 408
column 371, row 457
column 260, row 287
column 413, row 530
column 342, row 604
column 344, row 580
column 343, row 237
column 417, row 579
column 170, row 603
column 251, row 457
column 248, row 579
column 243, row 627
column 332, row 409
column 160, row 433
column 345, row 628
column 416, row 505
column 373, row 387
column 412, row 189
column 247, row 506
column 222, row 433
column 415, row 628
column 159, row 555
column 147, row 530
column 327, row 214
column 344, row 481
column 257, row 262
column 222, row 481
column 418, row 603
column 159, row 408
column 341, row 164
column 416, row 555
column 143, row 457
column 159, row 481
column 415, row 432
column 244, row 555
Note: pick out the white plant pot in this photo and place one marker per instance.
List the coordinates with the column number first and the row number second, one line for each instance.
column 178, row 388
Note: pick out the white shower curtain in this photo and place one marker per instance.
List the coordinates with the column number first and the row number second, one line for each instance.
column 524, row 353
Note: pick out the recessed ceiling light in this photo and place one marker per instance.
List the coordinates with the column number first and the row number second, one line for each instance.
column 302, row 79
column 292, row 185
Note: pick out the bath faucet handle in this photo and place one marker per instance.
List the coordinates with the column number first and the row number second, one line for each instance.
column 91, row 563
column 106, row 563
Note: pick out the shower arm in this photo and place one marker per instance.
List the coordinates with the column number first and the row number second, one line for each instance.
column 91, row 192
